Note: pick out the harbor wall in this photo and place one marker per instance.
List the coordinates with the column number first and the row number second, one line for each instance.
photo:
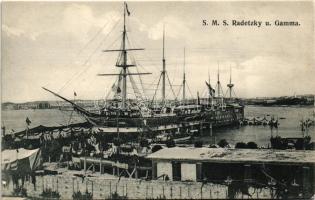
column 101, row 188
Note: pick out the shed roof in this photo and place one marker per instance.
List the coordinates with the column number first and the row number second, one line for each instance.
column 221, row 155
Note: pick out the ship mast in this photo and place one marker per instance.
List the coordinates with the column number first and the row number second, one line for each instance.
column 163, row 70
column 122, row 60
column 184, row 79
column 230, row 85
column 220, row 90
column 219, row 83
column 163, row 74
column 124, row 65
column 210, row 92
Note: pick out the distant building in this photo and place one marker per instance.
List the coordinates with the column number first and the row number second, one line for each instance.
column 9, row 106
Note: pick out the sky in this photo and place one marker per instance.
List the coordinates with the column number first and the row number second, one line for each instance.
column 58, row 45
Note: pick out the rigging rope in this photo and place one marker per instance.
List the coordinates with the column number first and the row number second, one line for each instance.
column 134, row 87
column 95, row 36
column 179, row 90
column 189, row 90
column 156, row 89
column 88, row 59
column 144, row 110
column 170, row 84
column 137, row 68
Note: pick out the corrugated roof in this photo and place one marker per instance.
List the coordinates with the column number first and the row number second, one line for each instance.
column 234, row 155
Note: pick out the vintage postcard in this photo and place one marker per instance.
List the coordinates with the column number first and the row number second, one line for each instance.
column 157, row 100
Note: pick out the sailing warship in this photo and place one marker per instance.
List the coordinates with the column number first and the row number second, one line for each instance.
column 141, row 115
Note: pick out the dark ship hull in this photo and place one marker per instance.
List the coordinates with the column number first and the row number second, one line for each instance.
column 168, row 122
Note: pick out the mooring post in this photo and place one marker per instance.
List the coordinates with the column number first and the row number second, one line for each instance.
column 180, row 192
column 136, row 172
column 43, row 184
column 92, row 188
column 101, row 167
column 77, row 184
column 257, row 193
column 201, row 192
column 110, row 188
column 84, row 164
column 57, row 184
column 154, row 170
column 73, row 185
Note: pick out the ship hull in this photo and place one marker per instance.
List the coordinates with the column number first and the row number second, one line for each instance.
column 228, row 116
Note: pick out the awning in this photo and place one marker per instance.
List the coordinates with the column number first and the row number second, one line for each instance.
column 20, row 159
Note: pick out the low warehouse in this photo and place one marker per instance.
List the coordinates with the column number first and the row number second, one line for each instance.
column 260, row 166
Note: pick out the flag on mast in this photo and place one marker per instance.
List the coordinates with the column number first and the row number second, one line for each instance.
column 74, row 93
column 118, row 90
column 211, row 90
column 127, row 9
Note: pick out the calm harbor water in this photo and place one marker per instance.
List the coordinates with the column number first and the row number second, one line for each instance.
column 289, row 126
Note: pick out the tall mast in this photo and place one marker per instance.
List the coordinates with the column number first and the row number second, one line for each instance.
column 219, row 87
column 230, row 82
column 210, row 96
column 124, row 65
column 218, row 82
column 184, row 78
column 230, row 85
column 163, row 71
column 122, row 61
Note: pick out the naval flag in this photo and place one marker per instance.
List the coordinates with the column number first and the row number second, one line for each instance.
column 127, row 9
column 211, row 90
